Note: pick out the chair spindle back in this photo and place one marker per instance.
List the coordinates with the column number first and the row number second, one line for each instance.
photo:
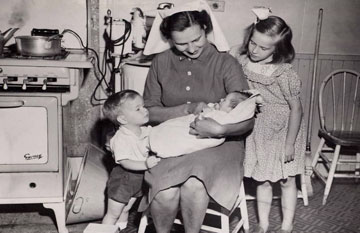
column 339, row 101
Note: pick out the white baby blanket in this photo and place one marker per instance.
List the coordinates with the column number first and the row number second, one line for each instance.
column 171, row 138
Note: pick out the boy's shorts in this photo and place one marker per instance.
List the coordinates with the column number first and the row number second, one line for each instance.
column 124, row 184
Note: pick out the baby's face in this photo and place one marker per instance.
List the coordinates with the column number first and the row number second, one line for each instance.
column 226, row 104
column 230, row 102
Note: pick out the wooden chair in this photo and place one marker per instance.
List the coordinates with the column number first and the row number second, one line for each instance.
column 339, row 109
column 223, row 225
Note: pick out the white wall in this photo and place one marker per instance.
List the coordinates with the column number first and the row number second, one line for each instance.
column 50, row 14
column 340, row 27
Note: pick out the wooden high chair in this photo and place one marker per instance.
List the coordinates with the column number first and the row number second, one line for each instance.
column 339, row 109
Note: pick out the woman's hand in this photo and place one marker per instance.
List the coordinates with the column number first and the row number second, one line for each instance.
column 206, row 128
column 195, row 108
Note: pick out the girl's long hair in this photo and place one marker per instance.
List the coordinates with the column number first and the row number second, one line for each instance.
column 274, row 27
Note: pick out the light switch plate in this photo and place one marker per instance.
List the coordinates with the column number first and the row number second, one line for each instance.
column 216, row 5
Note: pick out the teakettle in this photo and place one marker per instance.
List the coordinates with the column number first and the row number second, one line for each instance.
column 5, row 37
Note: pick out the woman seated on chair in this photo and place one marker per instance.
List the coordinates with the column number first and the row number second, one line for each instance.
column 182, row 80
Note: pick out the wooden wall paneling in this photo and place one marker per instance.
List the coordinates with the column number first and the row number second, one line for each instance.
column 303, row 68
column 325, row 69
column 337, row 64
column 357, row 65
column 349, row 65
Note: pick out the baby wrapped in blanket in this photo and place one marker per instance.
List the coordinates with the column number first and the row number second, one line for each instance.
column 171, row 138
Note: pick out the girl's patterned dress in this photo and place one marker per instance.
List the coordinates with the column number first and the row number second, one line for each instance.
column 265, row 146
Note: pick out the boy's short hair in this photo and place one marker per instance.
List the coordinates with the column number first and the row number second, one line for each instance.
column 112, row 106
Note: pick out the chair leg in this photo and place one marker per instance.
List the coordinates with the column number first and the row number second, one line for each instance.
column 304, row 190
column 317, row 153
column 357, row 167
column 331, row 173
column 143, row 222
column 243, row 209
column 244, row 215
column 244, row 222
column 225, row 224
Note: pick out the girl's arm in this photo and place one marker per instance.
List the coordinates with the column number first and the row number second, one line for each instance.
column 134, row 165
column 295, row 117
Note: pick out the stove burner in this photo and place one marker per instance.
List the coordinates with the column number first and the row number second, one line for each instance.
column 60, row 56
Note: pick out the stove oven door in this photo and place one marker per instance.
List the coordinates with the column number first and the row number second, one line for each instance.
column 29, row 134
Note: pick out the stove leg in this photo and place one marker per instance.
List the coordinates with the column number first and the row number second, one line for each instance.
column 59, row 210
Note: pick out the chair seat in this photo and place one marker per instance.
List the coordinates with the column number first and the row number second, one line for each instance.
column 340, row 137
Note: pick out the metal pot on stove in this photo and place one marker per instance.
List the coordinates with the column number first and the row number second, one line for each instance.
column 42, row 42
column 38, row 45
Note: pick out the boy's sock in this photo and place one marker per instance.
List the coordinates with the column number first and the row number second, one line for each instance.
column 122, row 225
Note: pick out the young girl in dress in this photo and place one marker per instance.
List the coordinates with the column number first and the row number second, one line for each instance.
column 276, row 147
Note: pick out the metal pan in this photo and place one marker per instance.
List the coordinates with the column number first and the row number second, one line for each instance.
column 38, row 45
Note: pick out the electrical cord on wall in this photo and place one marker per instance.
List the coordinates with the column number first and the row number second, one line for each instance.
column 108, row 62
column 99, row 74
column 110, row 48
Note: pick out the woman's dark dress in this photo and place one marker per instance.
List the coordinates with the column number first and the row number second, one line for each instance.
column 173, row 80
